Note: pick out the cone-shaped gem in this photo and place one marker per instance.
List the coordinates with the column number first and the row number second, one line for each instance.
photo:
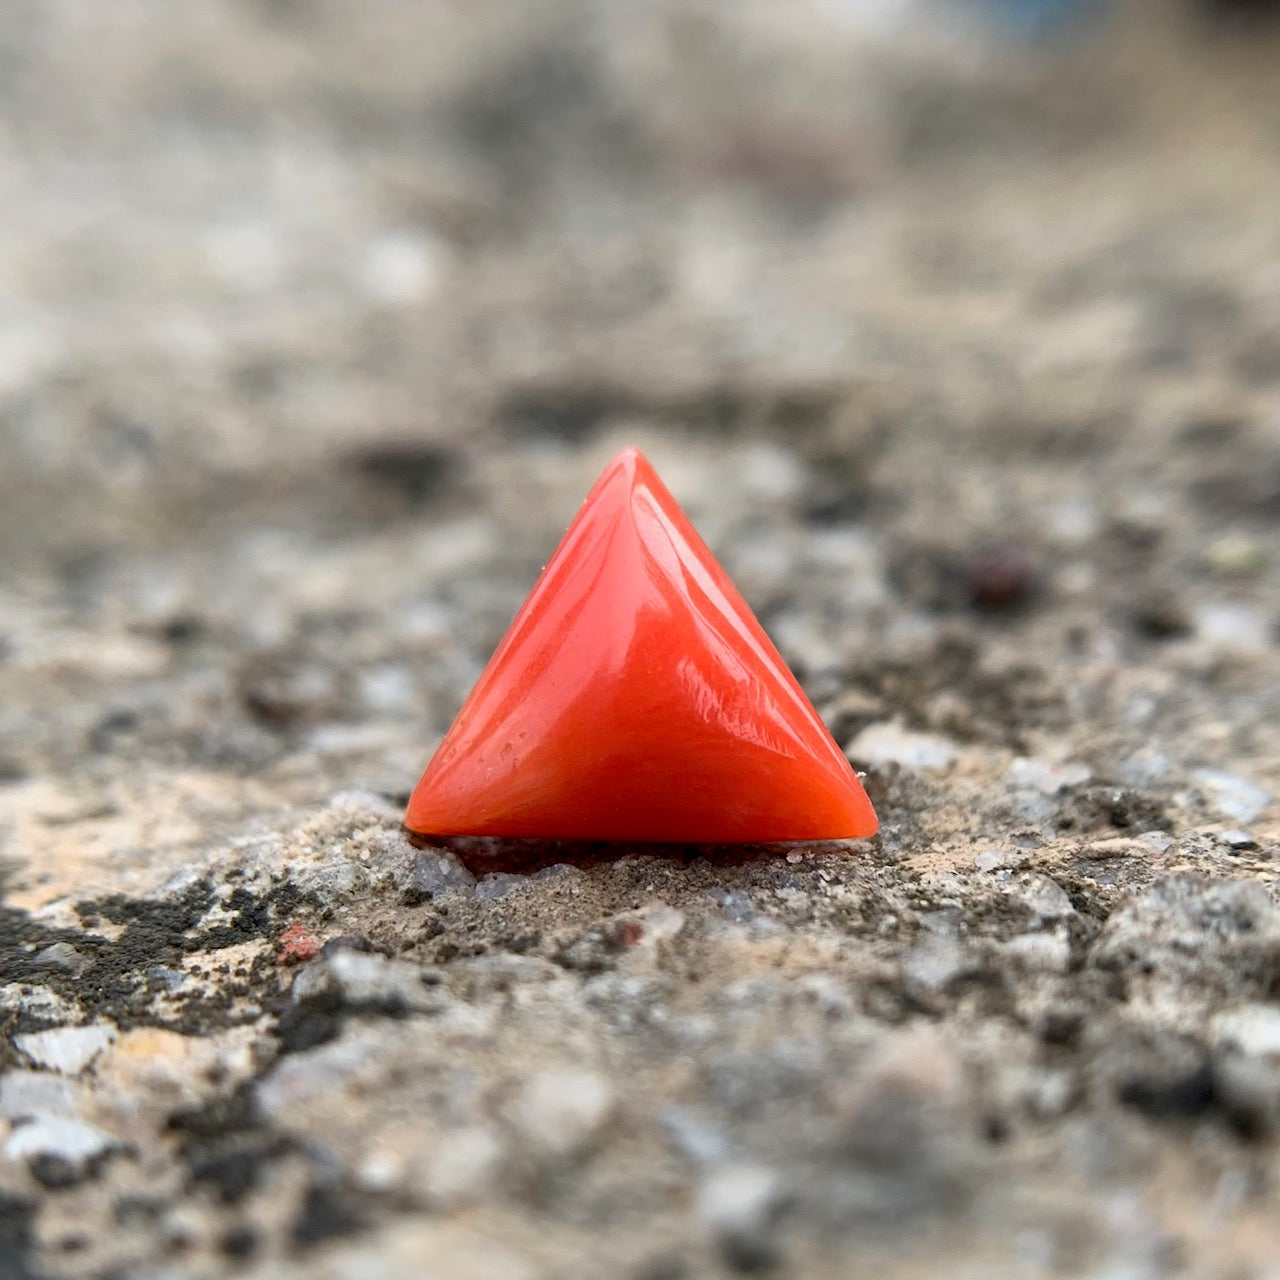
column 636, row 698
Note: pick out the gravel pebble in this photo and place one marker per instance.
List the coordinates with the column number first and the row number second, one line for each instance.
column 933, row 963
column 1050, row 1094
column 736, row 905
column 62, row 955
column 432, row 872
column 1046, row 776
column 1232, row 795
column 66, row 1049
column 739, row 1203
column 1045, row 897
column 30, row 1093
column 1238, row 628
column 991, row 860
column 881, row 745
column 365, row 979
column 1192, row 929
column 1253, row 1029
column 1237, row 841
column 1145, row 768
column 1247, row 1091
column 60, row 1151
column 492, row 887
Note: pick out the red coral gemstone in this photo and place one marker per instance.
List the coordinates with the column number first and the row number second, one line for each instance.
column 636, row 698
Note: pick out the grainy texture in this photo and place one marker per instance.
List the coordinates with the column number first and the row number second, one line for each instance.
column 318, row 321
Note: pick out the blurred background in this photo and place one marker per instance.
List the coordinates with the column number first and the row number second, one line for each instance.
column 954, row 324
column 317, row 321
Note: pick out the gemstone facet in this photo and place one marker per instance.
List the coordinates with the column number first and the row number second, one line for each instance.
column 636, row 698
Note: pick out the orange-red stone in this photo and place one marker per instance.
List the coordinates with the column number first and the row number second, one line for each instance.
column 636, row 698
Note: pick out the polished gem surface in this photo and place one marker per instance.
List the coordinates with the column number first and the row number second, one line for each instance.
column 636, row 698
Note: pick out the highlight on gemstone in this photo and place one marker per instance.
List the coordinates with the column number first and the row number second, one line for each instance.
column 636, row 698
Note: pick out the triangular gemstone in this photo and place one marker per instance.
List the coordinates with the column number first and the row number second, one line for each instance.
column 636, row 698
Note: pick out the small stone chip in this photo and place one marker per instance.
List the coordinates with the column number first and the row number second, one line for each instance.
column 66, row 1049
column 434, row 872
column 60, row 1151
column 740, row 1203
column 363, row 979
column 24, row 1094
column 1046, row 899
column 1231, row 794
column 1046, row 776
column 1237, row 841
column 61, row 955
column 889, row 743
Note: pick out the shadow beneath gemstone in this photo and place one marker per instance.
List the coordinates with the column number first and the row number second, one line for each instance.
column 484, row 854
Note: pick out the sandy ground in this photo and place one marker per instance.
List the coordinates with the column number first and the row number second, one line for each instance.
column 317, row 322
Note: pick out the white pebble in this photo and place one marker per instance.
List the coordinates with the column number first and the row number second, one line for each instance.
column 1045, row 775
column 889, row 743
column 56, row 1136
column 738, row 1200
column 1238, row 628
column 66, row 1049
column 1046, row 898
column 1231, row 794
column 24, row 1094
column 1252, row 1028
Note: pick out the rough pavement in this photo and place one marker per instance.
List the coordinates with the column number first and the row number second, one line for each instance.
column 317, row 326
